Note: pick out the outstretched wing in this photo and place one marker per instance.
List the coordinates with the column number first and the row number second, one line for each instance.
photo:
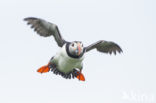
column 105, row 47
column 45, row 29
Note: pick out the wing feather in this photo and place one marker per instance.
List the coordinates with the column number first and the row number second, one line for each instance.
column 45, row 29
column 105, row 47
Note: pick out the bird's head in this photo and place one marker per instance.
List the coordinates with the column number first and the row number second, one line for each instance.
column 76, row 48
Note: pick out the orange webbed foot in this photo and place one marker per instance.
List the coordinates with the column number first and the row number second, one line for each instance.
column 80, row 76
column 44, row 69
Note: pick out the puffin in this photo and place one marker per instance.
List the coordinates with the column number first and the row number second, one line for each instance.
column 68, row 61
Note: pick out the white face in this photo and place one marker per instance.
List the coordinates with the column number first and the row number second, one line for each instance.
column 76, row 48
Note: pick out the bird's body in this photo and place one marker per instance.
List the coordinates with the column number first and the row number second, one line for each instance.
column 68, row 61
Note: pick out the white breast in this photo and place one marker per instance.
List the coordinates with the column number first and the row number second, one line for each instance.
column 65, row 63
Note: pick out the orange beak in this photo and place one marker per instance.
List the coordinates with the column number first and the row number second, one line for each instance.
column 79, row 48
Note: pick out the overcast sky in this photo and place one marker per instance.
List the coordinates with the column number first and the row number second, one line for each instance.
column 126, row 78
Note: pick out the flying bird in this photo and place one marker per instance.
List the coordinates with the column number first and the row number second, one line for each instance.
column 68, row 61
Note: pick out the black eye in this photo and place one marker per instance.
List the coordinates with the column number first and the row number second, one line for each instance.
column 72, row 45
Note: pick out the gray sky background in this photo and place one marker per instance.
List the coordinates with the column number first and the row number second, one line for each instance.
column 126, row 78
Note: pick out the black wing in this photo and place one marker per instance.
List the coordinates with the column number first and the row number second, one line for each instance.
column 105, row 47
column 44, row 28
